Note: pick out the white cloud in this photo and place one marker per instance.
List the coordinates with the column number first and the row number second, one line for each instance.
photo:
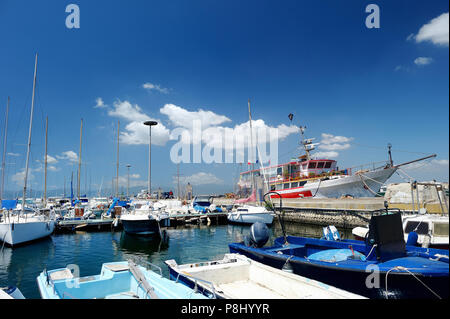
column 331, row 154
column 443, row 162
column 423, row 61
column 53, row 168
column 13, row 154
column 183, row 118
column 70, row 156
column 136, row 132
column 51, row 160
column 200, row 178
column 435, row 31
column 330, row 142
column 156, row 87
column 99, row 103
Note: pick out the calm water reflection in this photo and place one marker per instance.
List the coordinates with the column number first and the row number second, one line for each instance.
column 89, row 250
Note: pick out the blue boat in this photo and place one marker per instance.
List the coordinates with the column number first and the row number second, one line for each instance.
column 382, row 266
column 117, row 280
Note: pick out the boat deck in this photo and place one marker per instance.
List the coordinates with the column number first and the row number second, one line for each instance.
column 248, row 289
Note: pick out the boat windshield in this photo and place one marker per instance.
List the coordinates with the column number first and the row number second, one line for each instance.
column 420, row 228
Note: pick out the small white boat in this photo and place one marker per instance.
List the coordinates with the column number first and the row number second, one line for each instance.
column 117, row 280
column 238, row 277
column 18, row 228
column 247, row 214
column 432, row 230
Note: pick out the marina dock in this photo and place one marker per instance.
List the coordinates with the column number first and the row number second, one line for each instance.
column 108, row 224
column 88, row 224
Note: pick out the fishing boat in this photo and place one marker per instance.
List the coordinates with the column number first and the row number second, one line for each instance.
column 431, row 230
column 381, row 267
column 308, row 176
column 247, row 214
column 238, row 277
column 25, row 224
column 117, row 280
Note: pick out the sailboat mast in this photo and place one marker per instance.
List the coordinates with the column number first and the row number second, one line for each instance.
column 251, row 141
column 117, row 169
column 29, row 136
column 4, row 153
column 45, row 162
column 79, row 161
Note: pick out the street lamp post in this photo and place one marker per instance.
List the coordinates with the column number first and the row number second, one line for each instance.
column 128, row 180
column 150, row 124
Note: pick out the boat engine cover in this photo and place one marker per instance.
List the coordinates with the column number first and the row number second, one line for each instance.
column 259, row 235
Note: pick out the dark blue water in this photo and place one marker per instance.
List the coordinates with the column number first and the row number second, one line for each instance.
column 89, row 250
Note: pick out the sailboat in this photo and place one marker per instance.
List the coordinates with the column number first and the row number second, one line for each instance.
column 19, row 226
column 250, row 214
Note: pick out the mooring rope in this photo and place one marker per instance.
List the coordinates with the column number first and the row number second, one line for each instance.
column 368, row 188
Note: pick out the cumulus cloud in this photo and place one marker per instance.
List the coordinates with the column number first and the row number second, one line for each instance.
column 200, row 178
column 435, row 31
column 136, row 132
column 332, row 143
column 51, row 160
column 150, row 86
column 423, row 61
column 330, row 154
column 13, row 154
column 181, row 117
column 99, row 103
column 70, row 156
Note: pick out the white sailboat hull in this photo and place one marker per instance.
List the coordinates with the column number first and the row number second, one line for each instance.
column 15, row 233
column 250, row 218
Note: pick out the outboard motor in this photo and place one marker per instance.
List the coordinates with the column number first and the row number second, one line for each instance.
column 259, row 235
column 331, row 233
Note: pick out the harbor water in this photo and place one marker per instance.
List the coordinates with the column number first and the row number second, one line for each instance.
column 89, row 250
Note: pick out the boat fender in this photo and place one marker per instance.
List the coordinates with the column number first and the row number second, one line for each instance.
column 412, row 239
column 259, row 235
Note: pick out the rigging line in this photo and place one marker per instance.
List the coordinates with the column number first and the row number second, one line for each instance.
column 383, row 148
column 21, row 120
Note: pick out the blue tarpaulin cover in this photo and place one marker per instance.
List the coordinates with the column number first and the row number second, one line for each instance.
column 9, row 203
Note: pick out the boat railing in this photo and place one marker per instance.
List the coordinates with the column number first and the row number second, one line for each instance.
column 196, row 281
column 138, row 261
column 367, row 167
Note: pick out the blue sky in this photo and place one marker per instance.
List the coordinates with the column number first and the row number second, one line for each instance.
column 315, row 59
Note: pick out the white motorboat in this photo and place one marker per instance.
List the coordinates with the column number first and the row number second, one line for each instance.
column 239, row 277
column 432, row 230
column 247, row 214
column 143, row 219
